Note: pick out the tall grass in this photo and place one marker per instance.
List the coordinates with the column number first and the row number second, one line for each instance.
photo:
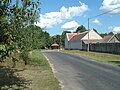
column 37, row 59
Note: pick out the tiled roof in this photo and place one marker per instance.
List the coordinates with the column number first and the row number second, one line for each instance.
column 107, row 38
column 70, row 35
column 55, row 44
column 78, row 36
column 75, row 36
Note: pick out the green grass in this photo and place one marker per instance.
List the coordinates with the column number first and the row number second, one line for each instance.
column 38, row 59
column 45, row 79
column 101, row 57
column 36, row 76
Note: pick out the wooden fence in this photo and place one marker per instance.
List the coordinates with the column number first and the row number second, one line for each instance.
column 104, row 47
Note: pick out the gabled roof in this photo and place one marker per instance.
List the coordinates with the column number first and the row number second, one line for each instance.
column 106, row 39
column 93, row 37
column 70, row 35
column 78, row 36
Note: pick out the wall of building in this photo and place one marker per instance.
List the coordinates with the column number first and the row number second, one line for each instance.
column 92, row 35
column 114, row 40
column 73, row 45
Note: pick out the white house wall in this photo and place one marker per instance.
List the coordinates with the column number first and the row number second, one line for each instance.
column 92, row 35
column 66, row 43
column 73, row 45
column 114, row 40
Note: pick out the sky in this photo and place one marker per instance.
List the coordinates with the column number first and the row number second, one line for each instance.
column 57, row 16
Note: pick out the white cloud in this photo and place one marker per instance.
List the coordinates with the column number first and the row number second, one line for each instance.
column 48, row 20
column 96, row 21
column 116, row 29
column 72, row 25
column 108, row 5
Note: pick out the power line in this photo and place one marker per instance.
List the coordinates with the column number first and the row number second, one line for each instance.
column 95, row 17
column 104, row 13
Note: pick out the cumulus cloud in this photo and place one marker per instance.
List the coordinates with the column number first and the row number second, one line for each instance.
column 115, row 29
column 108, row 5
column 50, row 19
column 96, row 21
column 70, row 26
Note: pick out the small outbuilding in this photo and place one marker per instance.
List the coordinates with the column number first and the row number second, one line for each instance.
column 54, row 45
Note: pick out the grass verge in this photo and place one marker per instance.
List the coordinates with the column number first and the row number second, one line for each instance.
column 101, row 57
column 36, row 76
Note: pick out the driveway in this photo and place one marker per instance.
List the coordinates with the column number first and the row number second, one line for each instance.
column 76, row 73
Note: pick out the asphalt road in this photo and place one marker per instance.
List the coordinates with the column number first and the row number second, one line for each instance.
column 76, row 73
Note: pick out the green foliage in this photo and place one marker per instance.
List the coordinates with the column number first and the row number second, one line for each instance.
column 47, row 40
column 38, row 59
column 63, row 37
column 118, row 35
column 17, row 32
column 103, row 34
column 50, row 41
column 58, row 39
column 81, row 29
column 110, row 33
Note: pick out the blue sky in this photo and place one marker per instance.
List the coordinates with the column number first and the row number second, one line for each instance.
column 61, row 15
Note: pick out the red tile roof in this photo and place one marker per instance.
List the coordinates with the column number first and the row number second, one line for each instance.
column 106, row 38
column 55, row 45
column 76, row 36
column 70, row 35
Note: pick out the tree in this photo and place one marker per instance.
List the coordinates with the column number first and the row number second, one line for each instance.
column 81, row 29
column 47, row 40
column 58, row 41
column 118, row 35
column 63, row 37
column 110, row 33
column 103, row 34
column 15, row 18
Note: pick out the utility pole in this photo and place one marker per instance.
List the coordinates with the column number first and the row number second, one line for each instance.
column 88, row 46
column 88, row 35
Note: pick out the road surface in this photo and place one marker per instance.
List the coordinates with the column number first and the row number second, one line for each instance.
column 76, row 73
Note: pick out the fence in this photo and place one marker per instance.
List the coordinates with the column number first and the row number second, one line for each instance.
column 104, row 47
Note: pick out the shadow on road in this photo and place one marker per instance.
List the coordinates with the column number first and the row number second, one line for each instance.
column 9, row 79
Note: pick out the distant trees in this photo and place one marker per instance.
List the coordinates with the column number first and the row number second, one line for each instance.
column 81, row 29
column 63, row 37
column 118, row 35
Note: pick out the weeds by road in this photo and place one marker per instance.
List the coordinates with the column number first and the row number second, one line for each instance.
column 36, row 76
column 101, row 57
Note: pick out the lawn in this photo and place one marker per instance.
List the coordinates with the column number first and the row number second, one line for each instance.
column 101, row 57
column 36, row 76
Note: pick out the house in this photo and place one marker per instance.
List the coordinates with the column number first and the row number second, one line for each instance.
column 78, row 40
column 110, row 39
